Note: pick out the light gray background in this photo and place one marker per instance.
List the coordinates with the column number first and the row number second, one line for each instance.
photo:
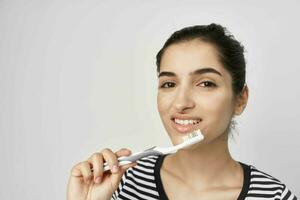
column 78, row 76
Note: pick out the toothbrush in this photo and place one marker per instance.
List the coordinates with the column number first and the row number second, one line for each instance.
column 188, row 140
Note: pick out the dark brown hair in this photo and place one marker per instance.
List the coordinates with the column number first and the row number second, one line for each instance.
column 231, row 52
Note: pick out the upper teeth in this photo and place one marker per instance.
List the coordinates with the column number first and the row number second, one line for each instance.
column 186, row 122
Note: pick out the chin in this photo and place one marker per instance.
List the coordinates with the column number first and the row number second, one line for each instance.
column 190, row 149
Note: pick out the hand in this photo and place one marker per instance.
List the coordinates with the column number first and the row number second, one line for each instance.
column 85, row 184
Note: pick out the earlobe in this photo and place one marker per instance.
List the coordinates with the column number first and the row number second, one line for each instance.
column 242, row 100
column 239, row 111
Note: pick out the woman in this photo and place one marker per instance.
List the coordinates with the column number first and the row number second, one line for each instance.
column 201, row 72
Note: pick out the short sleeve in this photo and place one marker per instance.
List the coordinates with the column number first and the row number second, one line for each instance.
column 287, row 194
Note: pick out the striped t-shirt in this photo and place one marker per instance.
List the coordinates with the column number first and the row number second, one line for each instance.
column 143, row 182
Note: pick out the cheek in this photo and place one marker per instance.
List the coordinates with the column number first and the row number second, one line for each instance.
column 163, row 106
column 163, row 103
column 159, row 103
column 218, row 107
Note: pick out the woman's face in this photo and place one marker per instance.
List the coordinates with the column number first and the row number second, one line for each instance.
column 194, row 91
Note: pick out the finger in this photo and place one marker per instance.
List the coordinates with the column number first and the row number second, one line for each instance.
column 115, row 178
column 111, row 159
column 97, row 161
column 76, row 172
column 85, row 168
column 123, row 152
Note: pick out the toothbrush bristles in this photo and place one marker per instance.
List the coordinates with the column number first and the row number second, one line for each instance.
column 191, row 135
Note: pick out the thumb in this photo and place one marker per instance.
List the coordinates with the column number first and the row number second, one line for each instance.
column 116, row 177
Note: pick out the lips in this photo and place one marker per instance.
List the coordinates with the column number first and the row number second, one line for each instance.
column 185, row 127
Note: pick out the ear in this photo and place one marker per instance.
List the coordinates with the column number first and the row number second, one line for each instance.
column 241, row 101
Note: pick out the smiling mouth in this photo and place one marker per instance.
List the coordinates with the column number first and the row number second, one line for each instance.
column 185, row 125
column 186, row 122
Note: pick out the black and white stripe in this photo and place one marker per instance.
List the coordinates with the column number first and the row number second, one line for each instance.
column 265, row 186
column 138, row 182
column 141, row 182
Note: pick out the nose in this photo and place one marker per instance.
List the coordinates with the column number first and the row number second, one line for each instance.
column 183, row 101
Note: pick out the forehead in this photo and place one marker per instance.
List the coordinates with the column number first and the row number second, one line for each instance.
column 186, row 57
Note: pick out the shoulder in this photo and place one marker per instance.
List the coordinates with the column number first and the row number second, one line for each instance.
column 139, row 181
column 263, row 185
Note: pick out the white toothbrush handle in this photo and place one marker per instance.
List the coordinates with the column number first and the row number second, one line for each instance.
column 134, row 157
column 193, row 138
column 121, row 163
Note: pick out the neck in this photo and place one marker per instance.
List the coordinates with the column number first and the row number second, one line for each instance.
column 210, row 164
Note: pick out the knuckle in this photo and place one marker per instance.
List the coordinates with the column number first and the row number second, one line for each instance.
column 124, row 150
column 86, row 166
column 105, row 150
column 108, row 155
column 88, row 176
column 85, row 163
column 97, row 169
column 76, row 166
column 82, row 164
column 113, row 160
column 96, row 155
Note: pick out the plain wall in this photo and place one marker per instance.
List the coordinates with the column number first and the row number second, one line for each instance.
column 78, row 76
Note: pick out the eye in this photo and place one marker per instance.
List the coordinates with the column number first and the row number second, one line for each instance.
column 207, row 84
column 167, row 85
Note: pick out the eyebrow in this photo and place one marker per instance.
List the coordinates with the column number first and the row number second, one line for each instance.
column 196, row 72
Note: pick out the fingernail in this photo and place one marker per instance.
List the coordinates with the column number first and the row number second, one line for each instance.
column 98, row 180
column 115, row 169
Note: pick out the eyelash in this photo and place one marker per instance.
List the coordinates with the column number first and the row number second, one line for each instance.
column 209, row 82
column 162, row 86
